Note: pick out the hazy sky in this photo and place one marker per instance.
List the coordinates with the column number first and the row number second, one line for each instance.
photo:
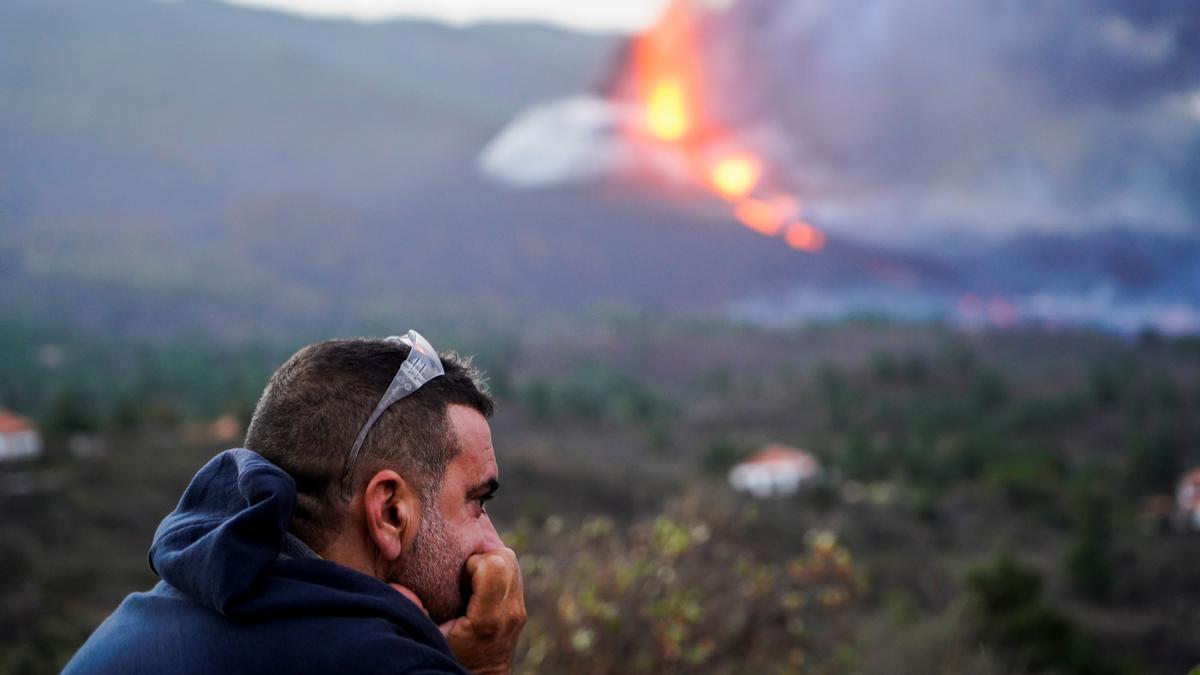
column 607, row 15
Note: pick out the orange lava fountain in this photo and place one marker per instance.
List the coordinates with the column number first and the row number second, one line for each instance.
column 667, row 82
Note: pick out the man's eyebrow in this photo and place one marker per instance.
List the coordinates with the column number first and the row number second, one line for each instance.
column 485, row 489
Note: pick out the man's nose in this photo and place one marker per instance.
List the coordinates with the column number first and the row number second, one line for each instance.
column 491, row 538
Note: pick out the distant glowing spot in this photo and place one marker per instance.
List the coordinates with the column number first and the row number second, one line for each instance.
column 667, row 108
column 759, row 216
column 1194, row 105
column 1002, row 313
column 736, row 176
column 804, row 237
column 970, row 306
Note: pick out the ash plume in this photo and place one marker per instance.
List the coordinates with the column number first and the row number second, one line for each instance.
column 928, row 116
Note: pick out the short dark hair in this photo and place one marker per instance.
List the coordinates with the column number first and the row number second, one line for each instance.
column 315, row 404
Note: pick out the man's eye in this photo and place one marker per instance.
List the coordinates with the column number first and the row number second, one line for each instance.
column 484, row 500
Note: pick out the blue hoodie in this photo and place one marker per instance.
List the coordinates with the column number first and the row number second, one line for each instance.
column 239, row 594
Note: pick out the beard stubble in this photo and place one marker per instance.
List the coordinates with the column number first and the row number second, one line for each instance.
column 433, row 569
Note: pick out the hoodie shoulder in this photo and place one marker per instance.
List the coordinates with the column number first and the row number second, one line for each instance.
column 164, row 631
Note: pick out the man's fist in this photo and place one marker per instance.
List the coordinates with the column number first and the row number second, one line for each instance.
column 484, row 639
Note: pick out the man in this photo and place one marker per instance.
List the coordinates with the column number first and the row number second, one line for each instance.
column 350, row 536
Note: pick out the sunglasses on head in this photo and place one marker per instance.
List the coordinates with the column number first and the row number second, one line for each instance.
column 421, row 366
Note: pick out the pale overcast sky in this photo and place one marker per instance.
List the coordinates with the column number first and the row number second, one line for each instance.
column 605, row 15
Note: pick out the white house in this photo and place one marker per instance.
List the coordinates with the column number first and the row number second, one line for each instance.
column 775, row 470
column 19, row 439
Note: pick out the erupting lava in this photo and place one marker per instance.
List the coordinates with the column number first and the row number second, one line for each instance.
column 759, row 216
column 734, row 177
column 666, row 71
column 666, row 76
column 804, row 237
column 667, row 111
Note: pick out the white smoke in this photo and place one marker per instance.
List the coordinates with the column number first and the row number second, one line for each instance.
column 566, row 141
column 981, row 116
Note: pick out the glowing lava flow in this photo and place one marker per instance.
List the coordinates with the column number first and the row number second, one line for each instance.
column 804, row 237
column 667, row 80
column 760, row 216
column 735, row 177
column 667, row 111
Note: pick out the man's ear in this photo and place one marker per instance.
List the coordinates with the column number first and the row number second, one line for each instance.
column 393, row 513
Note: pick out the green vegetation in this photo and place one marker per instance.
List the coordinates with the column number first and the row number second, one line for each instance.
column 1090, row 560
column 682, row 591
column 73, row 383
column 591, row 393
column 1007, row 596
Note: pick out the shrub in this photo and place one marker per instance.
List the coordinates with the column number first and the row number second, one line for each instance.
column 1153, row 463
column 1089, row 561
column 720, row 456
column 884, row 367
column 71, row 413
column 680, row 592
column 915, row 368
column 1104, row 385
column 989, row 390
column 1005, row 595
column 1025, row 477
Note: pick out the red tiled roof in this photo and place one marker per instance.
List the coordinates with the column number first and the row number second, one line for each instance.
column 775, row 452
column 11, row 423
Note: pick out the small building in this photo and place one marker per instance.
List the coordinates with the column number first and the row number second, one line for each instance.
column 775, row 470
column 1187, row 500
column 19, row 438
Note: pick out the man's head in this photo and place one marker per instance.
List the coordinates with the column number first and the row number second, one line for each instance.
column 422, row 475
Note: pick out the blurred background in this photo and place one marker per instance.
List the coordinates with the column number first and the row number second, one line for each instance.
column 827, row 337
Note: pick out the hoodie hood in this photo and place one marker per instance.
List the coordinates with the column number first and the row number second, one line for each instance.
column 227, row 530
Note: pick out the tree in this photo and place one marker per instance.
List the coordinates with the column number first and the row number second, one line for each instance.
column 1006, row 597
column 70, row 413
column 1089, row 561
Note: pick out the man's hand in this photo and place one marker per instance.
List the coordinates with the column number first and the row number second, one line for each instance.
column 484, row 639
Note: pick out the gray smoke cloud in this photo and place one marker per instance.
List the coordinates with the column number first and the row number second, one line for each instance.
column 910, row 117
